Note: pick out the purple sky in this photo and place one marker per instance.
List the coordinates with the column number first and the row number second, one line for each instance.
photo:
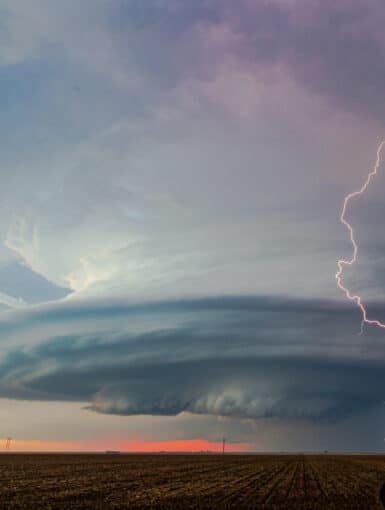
column 172, row 178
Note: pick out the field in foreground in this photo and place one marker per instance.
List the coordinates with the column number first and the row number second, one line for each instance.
column 190, row 481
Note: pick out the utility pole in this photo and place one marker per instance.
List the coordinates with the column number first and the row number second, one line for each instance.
column 223, row 445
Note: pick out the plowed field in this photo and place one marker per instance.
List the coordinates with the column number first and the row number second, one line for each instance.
column 190, row 481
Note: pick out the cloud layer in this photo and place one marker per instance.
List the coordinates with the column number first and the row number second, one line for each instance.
column 160, row 132
column 158, row 154
column 240, row 357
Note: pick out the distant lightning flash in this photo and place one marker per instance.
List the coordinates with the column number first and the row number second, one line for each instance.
column 341, row 262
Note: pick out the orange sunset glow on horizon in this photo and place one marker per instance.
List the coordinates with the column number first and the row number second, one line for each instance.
column 129, row 446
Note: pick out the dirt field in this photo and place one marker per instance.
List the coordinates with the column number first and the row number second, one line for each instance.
column 190, row 481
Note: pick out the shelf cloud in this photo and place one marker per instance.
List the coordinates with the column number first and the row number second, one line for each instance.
column 241, row 357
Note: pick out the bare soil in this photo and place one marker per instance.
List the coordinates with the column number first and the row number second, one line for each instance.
column 202, row 481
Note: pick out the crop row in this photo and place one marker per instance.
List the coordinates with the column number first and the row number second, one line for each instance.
column 196, row 482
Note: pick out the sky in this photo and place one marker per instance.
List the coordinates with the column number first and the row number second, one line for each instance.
column 172, row 177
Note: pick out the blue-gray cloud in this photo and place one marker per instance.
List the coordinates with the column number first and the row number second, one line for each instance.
column 242, row 357
column 131, row 102
column 154, row 149
column 20, row 282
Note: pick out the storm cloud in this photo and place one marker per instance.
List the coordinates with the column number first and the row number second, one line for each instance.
column 240, row 357
column 146, row 107
column 171, row 182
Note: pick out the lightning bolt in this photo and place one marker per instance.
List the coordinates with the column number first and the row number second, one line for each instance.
column 342, row 262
